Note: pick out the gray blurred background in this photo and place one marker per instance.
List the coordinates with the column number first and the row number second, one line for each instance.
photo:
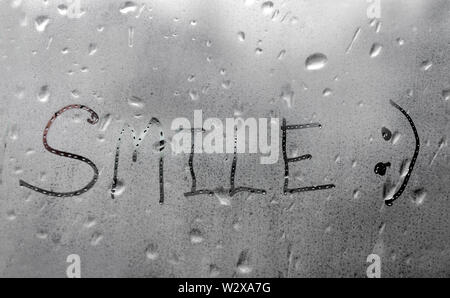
column 155, row 58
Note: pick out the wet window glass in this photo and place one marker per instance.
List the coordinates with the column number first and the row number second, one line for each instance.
column 224, row 138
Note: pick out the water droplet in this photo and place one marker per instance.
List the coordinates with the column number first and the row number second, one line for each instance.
column 44, row 94
column 136, row 102
column 419, row 196
column 62, row 9
column 92, row 49
column 396, row 137
column 386, row 133
column 75, row 93
column 96, row 238
column 327, row 92
column 11, row 215
column 90, row 222
column 128, row 7
column 446, row 94
column 193, row 94
column 41, row 23
column 316, row 61
column 196, row 236
column 375, row 50
column 281, row 54
column 42, row 235
column 241, row 36
column 267, row 8
column 287, row 95
column 151, row 252
column 213, row 271
column 243, row 266
column 130, row 36
column 426, row 65
column 226, row 84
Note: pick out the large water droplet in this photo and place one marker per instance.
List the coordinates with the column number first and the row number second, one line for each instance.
column 316, row 61
column 128, row 7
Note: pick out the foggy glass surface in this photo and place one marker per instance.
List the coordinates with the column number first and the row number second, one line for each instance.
column 131, row 61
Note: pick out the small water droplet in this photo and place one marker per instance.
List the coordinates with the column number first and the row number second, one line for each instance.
column 226, row 84
column 11, row 215
column 136, row 102
column 419, row 196
column 92, row 49
column 241, row 36
column 446, row 94
column 44, row 94
column 426, row 65
column 193, row 94
column 62, row 9
column 287, row 95
column 42, row 235
column 151, row 252
column 196, row 236
column 281, row 54
column 41, row 23
column 375, row 50
column 327, row 92
column 130, row 37
column 267, row 8
column 90, row 222
column 96, row 238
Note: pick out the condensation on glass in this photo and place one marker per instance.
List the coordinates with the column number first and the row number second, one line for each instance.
column 337, row 63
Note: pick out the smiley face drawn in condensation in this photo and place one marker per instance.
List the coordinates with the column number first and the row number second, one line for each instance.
column 380, row 168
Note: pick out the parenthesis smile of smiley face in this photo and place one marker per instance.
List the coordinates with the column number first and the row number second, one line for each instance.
column 381, row 167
